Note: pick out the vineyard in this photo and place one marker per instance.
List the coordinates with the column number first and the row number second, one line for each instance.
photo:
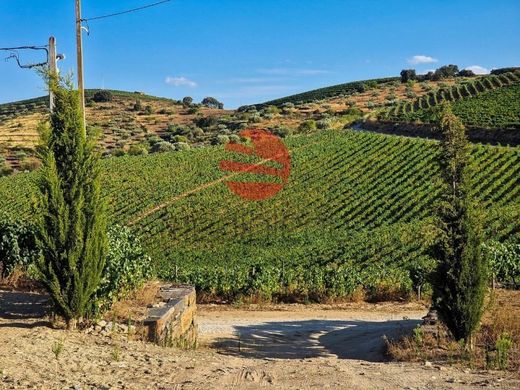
column 355, row 212
column 488, row 102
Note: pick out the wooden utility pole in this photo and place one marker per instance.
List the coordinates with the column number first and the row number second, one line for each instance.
column 79, row 45
column 53, row 70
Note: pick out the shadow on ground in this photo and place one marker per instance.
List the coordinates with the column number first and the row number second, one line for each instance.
column 362, row 340
column 22, row 306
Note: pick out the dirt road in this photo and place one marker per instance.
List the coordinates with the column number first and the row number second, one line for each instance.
column 291, row 347
column 303, row 331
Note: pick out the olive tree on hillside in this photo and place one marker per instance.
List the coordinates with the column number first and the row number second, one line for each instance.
column 187, row 101
column 408, row 74
column 211, row 102
column 71, row 225
column 460, row 278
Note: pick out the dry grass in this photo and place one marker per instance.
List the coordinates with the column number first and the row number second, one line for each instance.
column 135, row 306
column 18, row 280
column 501, row 321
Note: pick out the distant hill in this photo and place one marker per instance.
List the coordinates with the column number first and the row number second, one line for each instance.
column 332, row 91
column 129, row 118
column 137, row 123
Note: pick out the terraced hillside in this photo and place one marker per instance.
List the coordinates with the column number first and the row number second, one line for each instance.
column 354, row 213
column 491, row 102
column 136, row 123
column 122, row 122
column 332, row 91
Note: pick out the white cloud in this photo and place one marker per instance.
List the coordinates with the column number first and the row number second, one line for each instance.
column 421, row 59
column 477, row 69
column 180, row 82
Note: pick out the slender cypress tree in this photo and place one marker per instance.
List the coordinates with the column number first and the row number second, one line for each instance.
column 71, row 214
column 461, row 274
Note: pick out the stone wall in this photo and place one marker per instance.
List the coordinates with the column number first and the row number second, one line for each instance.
column 174, row 322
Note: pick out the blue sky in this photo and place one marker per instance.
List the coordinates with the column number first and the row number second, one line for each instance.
column 247, row 51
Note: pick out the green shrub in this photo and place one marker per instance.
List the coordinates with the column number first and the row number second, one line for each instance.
column 162, row 147
column 234, row 138
column 118, row 152
column 197, row 132
column 323, row 124
column 17, row 246
column 102, row 96
column 137, row 106
column 220, row 140
column 181, row 146
column 148, row 110
column 504, row 262
column 137, row 150
column 127, row 267
column 282, row 131
column 178, row 138
column 5, row 170
column 503, row 345
column 307, row 126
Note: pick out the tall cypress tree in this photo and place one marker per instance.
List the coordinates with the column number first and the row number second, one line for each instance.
column 71, row 214
column 461, row 274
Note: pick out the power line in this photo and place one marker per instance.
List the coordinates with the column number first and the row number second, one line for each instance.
column 126, row 12
column 24, row 47
column 14, row 54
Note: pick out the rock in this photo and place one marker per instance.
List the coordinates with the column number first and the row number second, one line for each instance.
column 77, row 386
column 102, row 323
column 431, row 318
column 427, row 364
column 123, row 328
column 98, row 328
column 109, row 325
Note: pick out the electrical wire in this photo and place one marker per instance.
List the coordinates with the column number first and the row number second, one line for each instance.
column 14, row 54
column 24, row 48
column 125, row 12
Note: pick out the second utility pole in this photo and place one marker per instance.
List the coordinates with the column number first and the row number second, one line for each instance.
column 53, row 70
column 79, row 44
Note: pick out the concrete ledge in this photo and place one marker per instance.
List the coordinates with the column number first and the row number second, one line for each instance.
column 173, row 323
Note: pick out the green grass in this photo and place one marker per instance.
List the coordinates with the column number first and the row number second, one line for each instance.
column 355, row 212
